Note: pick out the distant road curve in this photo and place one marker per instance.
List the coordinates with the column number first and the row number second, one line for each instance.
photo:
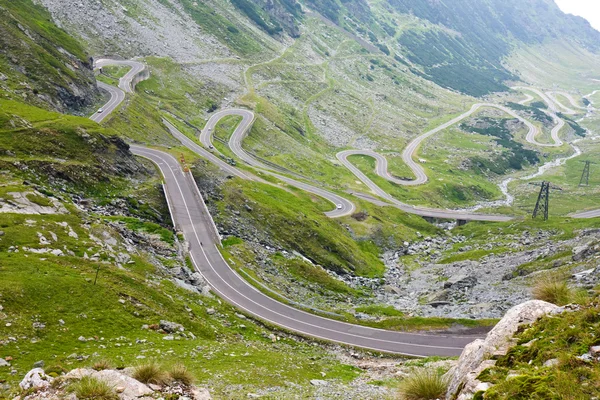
column 566, row 95
column 136, row 72
column 343, row 206
column 411, row 150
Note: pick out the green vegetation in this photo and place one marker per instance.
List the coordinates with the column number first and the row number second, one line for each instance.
column 100, row 365
column 423, row 384
column 180, row 373
column 578, row 129
column 39, row 200
column 151, row 372
column 90, row 388
column 525, row 371
column 292, row 220
column 533, row 112
column 516, row 157
column 554, row 289
column 135, row 224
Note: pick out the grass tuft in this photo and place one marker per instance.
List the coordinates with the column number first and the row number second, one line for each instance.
column 553, row 290
column 101, row 365
column 424, row 384
column 179, row 373
column 90, row 388
column 151, row 372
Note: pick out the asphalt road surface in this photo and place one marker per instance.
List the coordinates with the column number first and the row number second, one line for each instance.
column 116, row 97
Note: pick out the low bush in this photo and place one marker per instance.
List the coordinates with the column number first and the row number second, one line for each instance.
column 553, row 290
column 89, row 388
column 101, row 365
column 424, row 384
column 151, row 372
column 179, row 373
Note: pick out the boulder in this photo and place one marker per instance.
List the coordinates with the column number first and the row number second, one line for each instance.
column 36, row 379
column 129, row 388
column 171, row 327
column 476, row 356
column 200, row 393
column 460, row 281
column 392, row 289
column 584, row 251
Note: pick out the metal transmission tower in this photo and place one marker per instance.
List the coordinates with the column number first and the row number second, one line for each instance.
column 542, row 205
column 585, row 176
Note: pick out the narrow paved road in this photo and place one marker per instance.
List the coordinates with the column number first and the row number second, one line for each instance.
column 127, row 82
column 116, row 97
column 567, row 110
column 342, row 206
column 193, row 219
column 126, row 85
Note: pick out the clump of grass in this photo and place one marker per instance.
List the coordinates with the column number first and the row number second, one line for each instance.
column 39, row 200
column 179, row 373
column 552, row 289
column 90, row 388
column 101, row 365
column 151, row 372
column 424, row 384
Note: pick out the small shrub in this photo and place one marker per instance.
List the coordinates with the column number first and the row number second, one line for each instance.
column 89, row 388
column 179, row 373
column 150, row 373
column 553, row 290
column 101, row 365
column 424, row 385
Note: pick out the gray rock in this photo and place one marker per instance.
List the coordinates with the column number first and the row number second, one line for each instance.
column 318, row 382
column 39, row 364
column 476, row 356
column 392, row 289
column 171, row 327
column 460, row 281
column 551, row 363
column 200, row 393
column 36, row 379
column 132, row 389
column 4, row 363
column 584, row 251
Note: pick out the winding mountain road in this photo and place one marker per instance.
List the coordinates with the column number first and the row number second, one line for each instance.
column 191, row 216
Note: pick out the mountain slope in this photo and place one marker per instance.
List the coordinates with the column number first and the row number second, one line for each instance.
column 40, row 62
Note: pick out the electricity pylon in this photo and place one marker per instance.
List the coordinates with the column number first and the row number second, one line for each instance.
column 585, row 176
column 542, row 205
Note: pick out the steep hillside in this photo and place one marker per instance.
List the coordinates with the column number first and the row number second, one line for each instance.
column 40, row 63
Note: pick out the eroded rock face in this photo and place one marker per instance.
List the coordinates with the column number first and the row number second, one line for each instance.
column 477, row 355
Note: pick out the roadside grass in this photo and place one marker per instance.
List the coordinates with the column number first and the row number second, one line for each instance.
column 423, row 384
column 294, row 222
column 48, row 289
column 115, row 71
column 138, row 225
